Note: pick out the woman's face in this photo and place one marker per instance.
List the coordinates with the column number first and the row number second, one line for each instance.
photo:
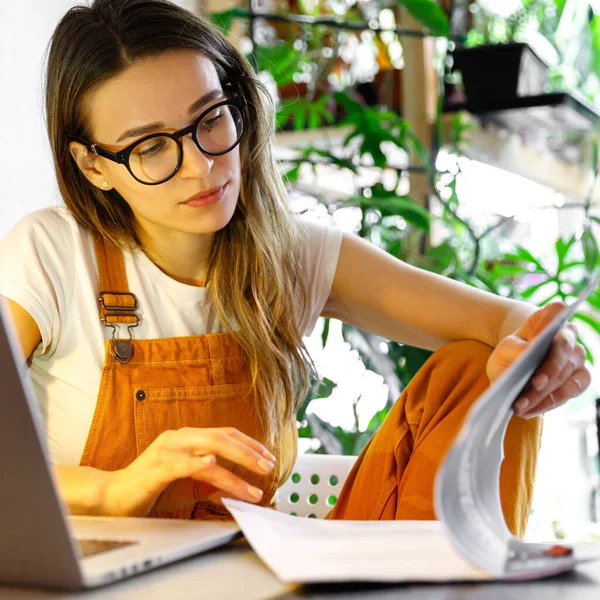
column 159, row 92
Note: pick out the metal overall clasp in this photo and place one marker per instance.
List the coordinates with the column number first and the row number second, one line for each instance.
column 118, row 308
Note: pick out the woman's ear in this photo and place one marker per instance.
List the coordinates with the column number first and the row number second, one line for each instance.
column 89, row 165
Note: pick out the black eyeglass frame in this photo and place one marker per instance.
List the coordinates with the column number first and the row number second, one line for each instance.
column 122, row 157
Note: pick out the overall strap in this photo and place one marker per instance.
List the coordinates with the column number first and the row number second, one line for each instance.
column 117, row 304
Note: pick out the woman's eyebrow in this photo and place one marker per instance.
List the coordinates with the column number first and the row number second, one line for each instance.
column 151, row 127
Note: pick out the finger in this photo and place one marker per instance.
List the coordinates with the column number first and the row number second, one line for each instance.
column 535, row 398
column 561, row 350
column 254, row 444
column 198, row 441
column 572, row 387
column 226, row 483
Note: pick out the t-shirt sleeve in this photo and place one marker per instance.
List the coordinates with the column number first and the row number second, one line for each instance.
column 36, row 271
column 320, row 255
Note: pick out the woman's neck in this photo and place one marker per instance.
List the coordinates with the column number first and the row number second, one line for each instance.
column 182, row 256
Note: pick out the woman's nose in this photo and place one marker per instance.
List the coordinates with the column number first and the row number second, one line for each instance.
column 195, row 164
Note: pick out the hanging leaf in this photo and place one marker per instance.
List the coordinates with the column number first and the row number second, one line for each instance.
column 430, row 14
column 325, row 333
column 590, row 249
column 293, row 174
column 595, row 44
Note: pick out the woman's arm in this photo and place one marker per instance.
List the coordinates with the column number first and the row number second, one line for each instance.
column 375, row 291
column 25, row 326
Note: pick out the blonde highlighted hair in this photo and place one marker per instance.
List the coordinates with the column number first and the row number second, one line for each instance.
column 254, row 263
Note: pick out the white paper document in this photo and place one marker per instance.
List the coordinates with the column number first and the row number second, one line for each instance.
column 316, row 550
column 471, row 541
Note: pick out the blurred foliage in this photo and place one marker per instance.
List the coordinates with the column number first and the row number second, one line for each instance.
column 391, row 219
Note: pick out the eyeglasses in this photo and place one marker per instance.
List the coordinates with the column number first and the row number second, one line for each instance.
column 157, row 157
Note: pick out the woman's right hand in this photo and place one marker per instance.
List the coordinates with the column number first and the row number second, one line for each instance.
column 180, row 468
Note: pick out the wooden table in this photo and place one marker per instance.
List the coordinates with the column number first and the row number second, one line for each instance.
column 236, row 573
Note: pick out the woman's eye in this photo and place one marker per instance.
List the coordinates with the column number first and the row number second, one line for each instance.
column 211, row 122
column 150, row 150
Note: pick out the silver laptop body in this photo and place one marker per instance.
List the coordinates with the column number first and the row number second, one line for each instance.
column 40, row 544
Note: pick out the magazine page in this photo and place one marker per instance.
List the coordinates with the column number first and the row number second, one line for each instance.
column 467, row 493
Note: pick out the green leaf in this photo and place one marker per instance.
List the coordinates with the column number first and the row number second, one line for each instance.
column 534, row 288
column 325, row 333
column 282, row 62
column 523, row 255
column 389, row 204
column 377, row 420
column 549, row 299
column 293, row 174
column 429, row 14
column 303, row 111
column 594, row 30
column 508, row 270
column 594, row 300
column 326, row 388
column 593, row 323
column 373, row 126
column 444, row 258
column 342, row 163
column 562, row 249
column 224, row 19
column 590, row 249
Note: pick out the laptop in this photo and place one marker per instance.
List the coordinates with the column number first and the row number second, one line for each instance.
column 44, row 546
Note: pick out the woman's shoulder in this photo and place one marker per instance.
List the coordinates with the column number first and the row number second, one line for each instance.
column 319, row 238
column 54, row 227
column 55, row 219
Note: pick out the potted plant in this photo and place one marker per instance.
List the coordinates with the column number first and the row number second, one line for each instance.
column 543, row 47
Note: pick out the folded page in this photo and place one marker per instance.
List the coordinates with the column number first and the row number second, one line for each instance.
column 305, row 550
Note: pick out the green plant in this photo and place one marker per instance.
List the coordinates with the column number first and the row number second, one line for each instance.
column 392, row 220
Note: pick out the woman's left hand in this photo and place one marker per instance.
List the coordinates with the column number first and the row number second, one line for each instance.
column 561, row 376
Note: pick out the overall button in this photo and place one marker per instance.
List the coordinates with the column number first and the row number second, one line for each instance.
column 123, row 351
column 140, row 395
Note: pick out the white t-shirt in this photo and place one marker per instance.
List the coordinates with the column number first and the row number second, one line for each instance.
column 48, row 266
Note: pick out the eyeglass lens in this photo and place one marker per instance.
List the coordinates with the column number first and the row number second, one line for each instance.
column 156, row 159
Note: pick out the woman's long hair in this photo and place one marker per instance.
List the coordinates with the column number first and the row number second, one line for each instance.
column 254, row 263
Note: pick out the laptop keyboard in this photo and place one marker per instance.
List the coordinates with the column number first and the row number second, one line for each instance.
column 91, row 547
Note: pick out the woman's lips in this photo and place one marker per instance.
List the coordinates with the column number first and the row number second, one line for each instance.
column 206, row 199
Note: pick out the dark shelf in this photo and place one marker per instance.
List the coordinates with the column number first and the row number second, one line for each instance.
column 552, row 112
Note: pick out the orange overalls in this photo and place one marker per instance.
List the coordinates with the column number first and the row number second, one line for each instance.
column 149, row 386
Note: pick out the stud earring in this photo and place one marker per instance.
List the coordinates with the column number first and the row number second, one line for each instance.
column 105, row 185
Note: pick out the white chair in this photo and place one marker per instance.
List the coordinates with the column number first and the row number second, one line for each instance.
column 314, row 485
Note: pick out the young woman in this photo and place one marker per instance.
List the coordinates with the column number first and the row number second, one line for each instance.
column 162, row 310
